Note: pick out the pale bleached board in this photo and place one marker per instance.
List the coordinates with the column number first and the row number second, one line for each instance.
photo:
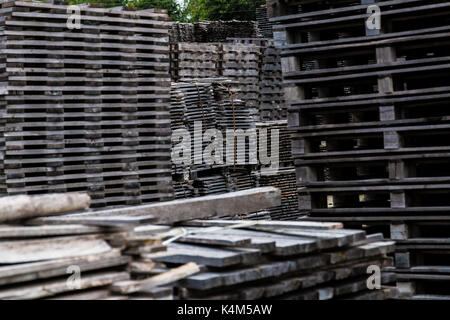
column 126, row 287
column 21, row 251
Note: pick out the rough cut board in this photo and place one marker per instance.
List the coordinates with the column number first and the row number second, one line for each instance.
column 53, row 287
column 95, row 220
column 215, row 279
column 10, row 231
column 47, row 249
column 268, row 224
column 24, row 206
column 25, row 272
column 209, row 256
column 182, row 210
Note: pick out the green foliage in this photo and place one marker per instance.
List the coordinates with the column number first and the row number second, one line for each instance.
column 174, row 10
column 213, row 10
column 191, row 10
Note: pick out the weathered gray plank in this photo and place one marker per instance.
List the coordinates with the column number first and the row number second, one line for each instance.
column 50, row 288
column 16, row 231
column 183, row 210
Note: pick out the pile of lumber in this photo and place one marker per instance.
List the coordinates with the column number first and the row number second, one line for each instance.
column 284, row 140
column 278, row 260
column 272, row 105
column 271, row 95
column 238, row 63
column 368, row 105
column 190, row 61
column 45, row 261
column 85, row 109
column 192, row 104
column 283, row 177
column 49, row 251
column 263, row 22
column 51, row 247
column 252, row 65
column 241, row 65
column 285, row 180
column 211, row 104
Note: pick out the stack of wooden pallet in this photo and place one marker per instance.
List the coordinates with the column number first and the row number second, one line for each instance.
column 253, row 65
column 181, row 32
column 241, row 65
column 368, row 99
column 212, row 31
column 271, row 96
column 272, row 105
column 86, row 109
column 237, row 62
column 190, row 61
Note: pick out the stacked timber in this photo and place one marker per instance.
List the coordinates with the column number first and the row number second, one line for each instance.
column 45, row 261
column 85, row 109
column 249, row 260
column 282, row 144
column 51, row 247
column 238, row 63
column 195, row 61
column 191, row 106
column 218, row 31
column 271, row 95
column 272, row 105
column 241, row 65
column 253, row 66
column 234, row 112
column 263, row 22
column 212, row 31
column 213, row 106
column 49, row 251
column 367, row 102
column 209, row 104
column 282, row 176
column 285, row 180
column 182, row 32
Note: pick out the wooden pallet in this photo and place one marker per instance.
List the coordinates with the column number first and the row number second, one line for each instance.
column 91, row 103
column 367, row 110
